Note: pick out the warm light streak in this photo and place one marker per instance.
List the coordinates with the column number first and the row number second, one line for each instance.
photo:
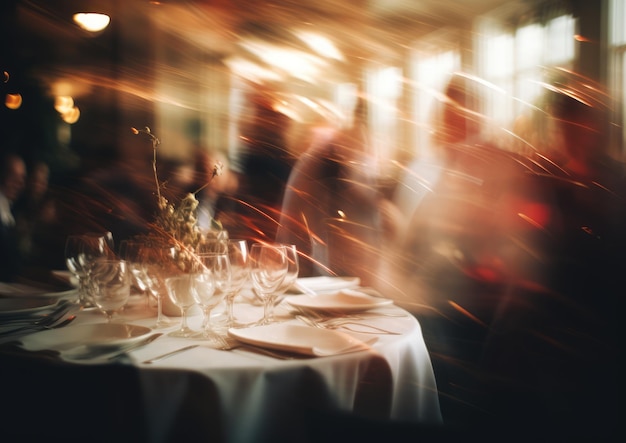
column 320, row 44
column 91, row 21
column 465, row 312
column 252, row 71
column 297, row 64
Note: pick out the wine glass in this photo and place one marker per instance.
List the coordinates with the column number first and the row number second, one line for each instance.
column 180, row 289
column 293, row 268
column 80, row 252
column 130, row 250
column 212, row 281
column 109, row 282
column 268, row 267
column 238, row 257
column 158, row 263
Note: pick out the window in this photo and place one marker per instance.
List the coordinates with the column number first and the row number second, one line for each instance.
column 432, row 63
column 617, row 68
column 513, row 58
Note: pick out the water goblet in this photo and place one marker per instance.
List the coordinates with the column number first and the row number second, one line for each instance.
column 180, row 289
column 157, row 264
column 239, row 270
column 293, row 269
column 130, row 250
column 109, row 283
column 80, row 252
column 212, row 281
column 268, row 267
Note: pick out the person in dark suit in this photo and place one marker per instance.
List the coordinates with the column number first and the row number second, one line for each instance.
column 12, row 182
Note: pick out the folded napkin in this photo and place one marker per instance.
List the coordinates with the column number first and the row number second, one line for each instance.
column 301, row 339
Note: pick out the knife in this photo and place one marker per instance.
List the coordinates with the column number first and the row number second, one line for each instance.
column 174, row 352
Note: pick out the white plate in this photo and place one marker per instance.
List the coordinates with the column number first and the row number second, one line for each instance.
column 344, row 301
column 325, row 284
column 25, row 305
column 24, row 290
column 105, row 335
column 300, row 339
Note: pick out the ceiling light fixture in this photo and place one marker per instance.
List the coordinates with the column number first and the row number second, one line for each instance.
column 91, row 21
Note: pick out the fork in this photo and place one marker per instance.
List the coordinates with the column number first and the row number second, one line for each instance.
column 56, row 320
column 344, row 323
column 22, row 331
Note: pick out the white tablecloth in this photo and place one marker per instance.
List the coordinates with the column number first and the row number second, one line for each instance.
column 241, row 396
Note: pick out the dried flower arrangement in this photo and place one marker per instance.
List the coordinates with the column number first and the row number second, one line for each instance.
column 177, row 224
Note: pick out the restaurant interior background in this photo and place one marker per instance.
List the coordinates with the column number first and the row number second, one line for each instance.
column 194, row 71
column 186, row 68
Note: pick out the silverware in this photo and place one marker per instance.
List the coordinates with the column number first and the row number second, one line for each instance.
column 345, row 324
column 169, row 354
column 54, row 320
column 232, row 344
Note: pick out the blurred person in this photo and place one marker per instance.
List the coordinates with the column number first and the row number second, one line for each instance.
column 264, row 162
column 555, row 349
column 12, row 182
column 332, row 208
column 36, row 215
column 515, row 275
column 455, row 258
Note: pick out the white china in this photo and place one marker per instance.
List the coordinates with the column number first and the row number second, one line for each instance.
column 344, row 301
column 95, row 335
column 10, row 307
column 301, row 339
column 314, row 285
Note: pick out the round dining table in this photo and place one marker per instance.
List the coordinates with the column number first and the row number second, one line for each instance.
column 208, row 391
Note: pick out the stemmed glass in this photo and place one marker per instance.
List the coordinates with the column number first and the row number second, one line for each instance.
column 293, row 269
column 130, row 250
column 212, row 280
column 268, row 267
column 180, row 289
column 109, row 282
column 80, row 252
column 238, row 257
column 158, row 263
